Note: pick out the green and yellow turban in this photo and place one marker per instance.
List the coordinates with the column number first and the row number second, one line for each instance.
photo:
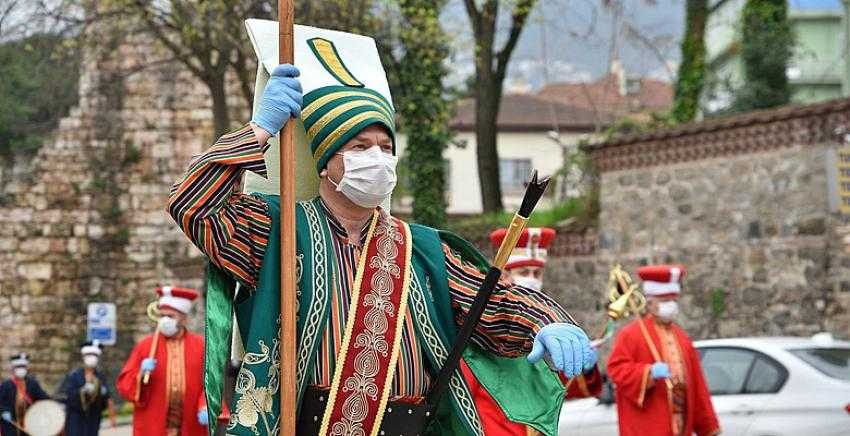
column 332, row 115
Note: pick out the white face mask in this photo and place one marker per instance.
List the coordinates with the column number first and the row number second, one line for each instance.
column 528, row 282
column 168, row 326
column 667, row 310
column 369, row 176
column 20, row 372
column 90, row 360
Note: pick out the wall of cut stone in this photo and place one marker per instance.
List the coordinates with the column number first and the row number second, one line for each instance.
column 744, row 203
column 751, row 229
column 85, row 220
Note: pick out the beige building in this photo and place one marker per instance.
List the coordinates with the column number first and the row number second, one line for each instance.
column 533, row 134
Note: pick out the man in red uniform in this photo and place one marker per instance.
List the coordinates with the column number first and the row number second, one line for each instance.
column 525, row 268
column 659, row 384
column 172, row 401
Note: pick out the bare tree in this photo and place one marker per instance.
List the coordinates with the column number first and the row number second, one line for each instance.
column 491, row 64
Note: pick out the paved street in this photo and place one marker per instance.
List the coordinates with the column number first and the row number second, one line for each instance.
column 121, row 430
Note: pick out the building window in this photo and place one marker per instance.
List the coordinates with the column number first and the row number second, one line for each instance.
column 514, row 174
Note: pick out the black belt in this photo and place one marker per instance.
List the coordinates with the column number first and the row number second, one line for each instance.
column 400, row 418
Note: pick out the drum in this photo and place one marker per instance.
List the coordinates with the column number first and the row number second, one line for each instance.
column 45, row 418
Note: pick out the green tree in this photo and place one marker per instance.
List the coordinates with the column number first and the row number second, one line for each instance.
column 691, row 77
column 423, row 106
column 491, row 64
column 38, row 87
column 767, row 44
column 207, row 37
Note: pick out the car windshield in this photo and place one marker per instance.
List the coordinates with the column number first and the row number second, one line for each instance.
column 834, row 362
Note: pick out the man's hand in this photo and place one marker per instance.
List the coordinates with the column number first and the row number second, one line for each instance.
column 7, row 416
column 148, row 364
column 281, row 99
column 567, row 345
column 659, row 370
column 203, row 417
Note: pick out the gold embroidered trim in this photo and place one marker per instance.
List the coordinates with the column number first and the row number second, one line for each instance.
column 327, row 54
column 335, row 112
column 349, row 327
column 344, row 128
column 402, row 312
column 325, row 99
column 643, row 385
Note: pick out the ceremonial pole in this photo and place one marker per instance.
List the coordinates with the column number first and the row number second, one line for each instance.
column 533, row 192
column 287, row 238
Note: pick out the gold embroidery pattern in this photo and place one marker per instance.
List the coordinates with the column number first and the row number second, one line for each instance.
column 313, row 323
column 321, row 101
column 176, row 375
column 337, row 111
column 256, row 403
column 345, row 128
column 327, row 54
column 371, row 341
column 457, row 385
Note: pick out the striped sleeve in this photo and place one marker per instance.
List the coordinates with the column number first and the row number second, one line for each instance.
column 512, row 317
column 230, row 227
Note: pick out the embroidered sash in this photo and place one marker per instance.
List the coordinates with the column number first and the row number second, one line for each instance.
column 370, row 346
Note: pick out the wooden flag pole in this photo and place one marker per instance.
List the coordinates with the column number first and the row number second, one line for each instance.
column 287, row 239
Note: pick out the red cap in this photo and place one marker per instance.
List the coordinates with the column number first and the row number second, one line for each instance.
column 662, row 279
column 179, row 299
column 531, row 248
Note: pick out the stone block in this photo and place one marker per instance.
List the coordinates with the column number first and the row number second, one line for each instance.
column 679, row 192
column 35, row 270
column 644, row 179
column 95, row 231
column 8, row 244
column 812, row 226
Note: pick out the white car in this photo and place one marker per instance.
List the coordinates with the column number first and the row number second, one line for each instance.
column 778, row 386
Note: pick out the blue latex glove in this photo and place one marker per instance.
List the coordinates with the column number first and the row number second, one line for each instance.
column 567, row 345
column 203, row 417
column 659, row 370
column 281, row 99
column 148, row 364
column 7, row 416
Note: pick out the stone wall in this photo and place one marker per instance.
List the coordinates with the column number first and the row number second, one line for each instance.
column 85, row 220
column 744, row 202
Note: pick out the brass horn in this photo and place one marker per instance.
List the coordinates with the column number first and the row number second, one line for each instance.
column 153, row 311
column 621, row 289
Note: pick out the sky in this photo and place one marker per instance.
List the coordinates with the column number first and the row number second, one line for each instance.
column 574, row 38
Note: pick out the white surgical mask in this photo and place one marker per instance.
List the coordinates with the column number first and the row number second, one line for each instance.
column 90, row 360
column 168, row 326
column 528, row 282
column 369, row 176
column 667, row 310
column 20, row 372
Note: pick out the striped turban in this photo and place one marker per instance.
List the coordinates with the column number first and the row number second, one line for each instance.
column 332, row 115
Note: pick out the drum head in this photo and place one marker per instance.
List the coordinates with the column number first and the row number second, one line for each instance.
column 45, row 418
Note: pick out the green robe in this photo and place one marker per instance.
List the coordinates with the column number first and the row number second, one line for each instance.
column 254, row 409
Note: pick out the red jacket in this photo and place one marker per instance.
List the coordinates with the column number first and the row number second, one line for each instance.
column 645, row 409
column 149, row 412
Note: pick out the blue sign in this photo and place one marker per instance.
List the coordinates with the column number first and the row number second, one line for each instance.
column 101, row 324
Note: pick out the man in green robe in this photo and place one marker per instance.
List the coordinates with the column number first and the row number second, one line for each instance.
column 379, row 300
